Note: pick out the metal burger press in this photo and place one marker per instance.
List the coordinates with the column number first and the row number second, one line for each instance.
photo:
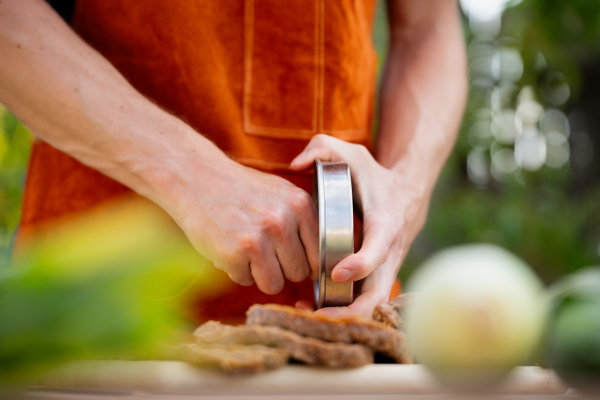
column 332, row 193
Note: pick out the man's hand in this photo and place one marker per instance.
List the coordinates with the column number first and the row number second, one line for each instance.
column 255, row 226
column 393, row 213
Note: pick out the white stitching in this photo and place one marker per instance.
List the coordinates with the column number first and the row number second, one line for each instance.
column 257, row 129
column 265, row 164
column 321, row 62
column 249, row 43
column 316, row 97
column 322, row 80
column 296, row 134
column 318, row 101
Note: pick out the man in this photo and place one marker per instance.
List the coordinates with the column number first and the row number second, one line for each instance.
column 216, row 110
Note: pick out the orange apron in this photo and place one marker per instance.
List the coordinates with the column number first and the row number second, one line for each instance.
column 257, row 77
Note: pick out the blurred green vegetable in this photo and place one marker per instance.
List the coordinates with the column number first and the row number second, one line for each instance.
column 573, row 342
column 104, row 286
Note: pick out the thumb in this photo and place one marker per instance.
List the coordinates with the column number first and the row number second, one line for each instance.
column 374, row 252
column 306, row 159
column 320, row 147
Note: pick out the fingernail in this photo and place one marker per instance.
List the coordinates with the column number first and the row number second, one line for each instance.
column 343, row 275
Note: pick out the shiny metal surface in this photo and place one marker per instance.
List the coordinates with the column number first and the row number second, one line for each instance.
column 332, row 192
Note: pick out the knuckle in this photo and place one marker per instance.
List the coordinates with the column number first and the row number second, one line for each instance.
column 300, row 200
column 274, row 223
column 320, row 138
column 384, row 248
column 375, row 256
column 272, row 286
column 249, row 244
column 363, row 269
column 242, row 280
column 362, row 150
column 297, row 274
column 378, row 254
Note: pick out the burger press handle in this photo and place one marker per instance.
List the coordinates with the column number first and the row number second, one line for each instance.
column 332, row 193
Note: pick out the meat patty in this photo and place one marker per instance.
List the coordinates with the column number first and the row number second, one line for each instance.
column 305, row 349
column 391, row 313
column 234, row 359
column 348, row 329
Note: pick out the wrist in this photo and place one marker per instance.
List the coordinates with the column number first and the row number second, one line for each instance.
column 164, row 162
column 413, row 182
column 420, row 165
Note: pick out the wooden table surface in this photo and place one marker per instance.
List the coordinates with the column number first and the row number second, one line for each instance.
column 99, row 380
column 45, row 394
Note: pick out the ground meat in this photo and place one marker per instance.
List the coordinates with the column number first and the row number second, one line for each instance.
column 234, row 359
column 390, row 313
column 351, row 329
column 304, row 349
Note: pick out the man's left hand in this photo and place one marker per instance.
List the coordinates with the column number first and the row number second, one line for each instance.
column 393, row 209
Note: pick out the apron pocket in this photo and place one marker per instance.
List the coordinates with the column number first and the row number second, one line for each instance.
column 309, row 68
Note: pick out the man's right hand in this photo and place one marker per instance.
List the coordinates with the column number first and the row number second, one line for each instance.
column 257, row 227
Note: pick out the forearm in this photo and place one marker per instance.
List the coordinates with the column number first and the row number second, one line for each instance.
column 423, row 92
column 74, row 99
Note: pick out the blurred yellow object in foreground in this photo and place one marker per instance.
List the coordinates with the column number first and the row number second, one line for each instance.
column 121, row 235
column 481, row 312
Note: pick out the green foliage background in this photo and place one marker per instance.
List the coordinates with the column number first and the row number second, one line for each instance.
column 551, row 217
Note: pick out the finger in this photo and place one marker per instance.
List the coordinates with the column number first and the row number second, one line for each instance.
column 240, row 275
column 375, row 289
column 362, row 306
column 378, row 238
column 304, row 305
column 320, row 147
column 293, row 259
column 306, row 159
column 267, row 273
column 365, row 304
column 334, row 311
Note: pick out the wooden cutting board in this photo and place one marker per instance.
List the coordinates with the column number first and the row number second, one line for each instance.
column 173, row 377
